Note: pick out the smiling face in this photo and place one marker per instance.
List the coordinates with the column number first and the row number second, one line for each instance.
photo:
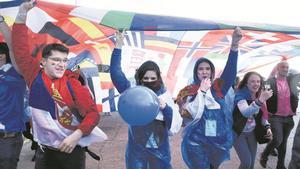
column 203, row 71
column 55, row 64
column 254, row 83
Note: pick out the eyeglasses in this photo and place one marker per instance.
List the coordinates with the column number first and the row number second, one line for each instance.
column 59, row 60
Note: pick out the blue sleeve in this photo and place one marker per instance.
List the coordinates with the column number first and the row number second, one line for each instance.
column 168, row 115
column 11, row 78
column 117, row 75
column 230, row 71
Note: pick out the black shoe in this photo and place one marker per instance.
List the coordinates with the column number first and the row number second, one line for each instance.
column 274, row 152
column 263, row 161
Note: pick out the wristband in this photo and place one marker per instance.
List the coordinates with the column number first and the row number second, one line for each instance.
column 259, row 103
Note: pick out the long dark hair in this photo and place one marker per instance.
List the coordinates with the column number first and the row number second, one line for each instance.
column 146, row 66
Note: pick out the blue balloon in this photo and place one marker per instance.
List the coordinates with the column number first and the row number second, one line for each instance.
column 138, row 106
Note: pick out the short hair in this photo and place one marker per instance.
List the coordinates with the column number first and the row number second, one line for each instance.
column 5, row 50
column 282, row 62
column 47, row 51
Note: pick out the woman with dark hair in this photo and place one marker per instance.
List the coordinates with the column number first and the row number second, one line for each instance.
column 148, row 145
column 250, row 112
column 208, row 138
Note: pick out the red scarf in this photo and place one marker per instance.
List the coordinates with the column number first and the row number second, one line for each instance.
column 189, row 90
column 192, row 90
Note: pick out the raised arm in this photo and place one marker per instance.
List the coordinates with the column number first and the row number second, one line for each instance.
column 28, row 66
column 6, row 32
column 117, row 75
column 230, row 70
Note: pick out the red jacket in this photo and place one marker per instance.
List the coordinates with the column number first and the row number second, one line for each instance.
column 30, row 67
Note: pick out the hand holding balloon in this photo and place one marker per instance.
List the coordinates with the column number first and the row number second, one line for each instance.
column 162, row 104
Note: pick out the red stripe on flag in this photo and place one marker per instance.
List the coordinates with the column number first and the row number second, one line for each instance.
column 160, row 49
column 106, row 84
column 55, row 10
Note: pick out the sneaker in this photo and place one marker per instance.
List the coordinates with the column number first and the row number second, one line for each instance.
column 274, row 152
column 263, row 161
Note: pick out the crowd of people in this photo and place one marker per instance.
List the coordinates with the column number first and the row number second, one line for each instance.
column 216, row 113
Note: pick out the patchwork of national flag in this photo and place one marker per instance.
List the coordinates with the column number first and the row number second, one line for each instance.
column 174, row 43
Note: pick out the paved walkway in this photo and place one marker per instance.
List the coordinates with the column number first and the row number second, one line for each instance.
column 112, row 150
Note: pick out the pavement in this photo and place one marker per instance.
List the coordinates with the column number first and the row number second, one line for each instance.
column 112, row 151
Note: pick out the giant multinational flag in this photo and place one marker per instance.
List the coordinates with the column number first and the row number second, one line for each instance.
column 174, row 43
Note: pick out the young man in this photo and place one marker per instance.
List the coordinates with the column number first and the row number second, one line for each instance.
column 55, row 98
column 12, row 89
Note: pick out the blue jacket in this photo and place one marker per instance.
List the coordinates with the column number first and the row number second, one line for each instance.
column 12, row 90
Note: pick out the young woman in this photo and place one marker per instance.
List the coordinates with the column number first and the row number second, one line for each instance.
column 250, row 110
column 148, row 145
column 208, row 138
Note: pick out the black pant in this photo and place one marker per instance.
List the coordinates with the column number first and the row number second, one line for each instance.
column 10, row 149
column 281, row 128
column 53, row 159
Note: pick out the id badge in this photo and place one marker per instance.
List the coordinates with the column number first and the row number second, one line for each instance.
column 211, row 128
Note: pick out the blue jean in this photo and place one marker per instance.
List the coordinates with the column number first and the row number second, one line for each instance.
column 281, row 128
column 245, row 146
column 10, row 149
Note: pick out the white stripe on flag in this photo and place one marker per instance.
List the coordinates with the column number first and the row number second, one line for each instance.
column 90, row 14
column 97, row 89
column 193, row 36
column 138, row 39
column 37, row 18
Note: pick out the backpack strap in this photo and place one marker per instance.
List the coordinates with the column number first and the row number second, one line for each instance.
column 80, row 118
column 76, row 113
